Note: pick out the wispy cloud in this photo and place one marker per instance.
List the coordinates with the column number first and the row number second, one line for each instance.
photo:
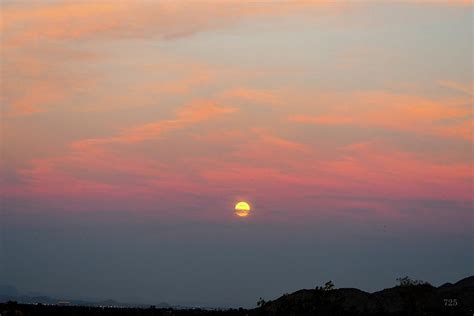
column 26, row 22
column 196, row 112
column 145, row 114
column 457, row 86
column 259, row 96
column 442, row 117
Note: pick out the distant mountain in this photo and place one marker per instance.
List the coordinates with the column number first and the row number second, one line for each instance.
column 10, row 293
column 8, row 290
column 419, row 299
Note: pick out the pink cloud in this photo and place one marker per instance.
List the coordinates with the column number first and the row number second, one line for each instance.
column 260, row 165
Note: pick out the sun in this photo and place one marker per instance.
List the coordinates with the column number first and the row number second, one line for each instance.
column 242, row 209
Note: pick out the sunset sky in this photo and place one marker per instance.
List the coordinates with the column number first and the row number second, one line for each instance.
column 130, row 129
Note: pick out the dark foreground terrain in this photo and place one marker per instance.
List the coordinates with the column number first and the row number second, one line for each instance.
column 406, row 299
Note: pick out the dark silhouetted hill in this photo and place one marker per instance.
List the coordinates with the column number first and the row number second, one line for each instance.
column 419, row 299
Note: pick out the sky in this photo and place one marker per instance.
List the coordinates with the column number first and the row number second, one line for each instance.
column 130, row 129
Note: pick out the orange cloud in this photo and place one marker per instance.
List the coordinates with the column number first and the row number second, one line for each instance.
column 266, row 97
column 395, row 111
column 445, row 2
column 456, row 86
column 38, row 98
column 91, row 166
column 34, row 80
column 196, row 112
column 322, row 119
column 26, row 22
column 36, row 38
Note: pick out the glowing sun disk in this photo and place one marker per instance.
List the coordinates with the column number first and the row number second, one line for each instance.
column 242, row 209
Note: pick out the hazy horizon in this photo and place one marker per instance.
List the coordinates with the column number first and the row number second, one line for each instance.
column 131, row 129
column 191, row 304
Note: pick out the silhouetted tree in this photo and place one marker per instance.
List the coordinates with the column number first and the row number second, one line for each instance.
column 328, row 286
column 407, row 281
column 260, row 302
